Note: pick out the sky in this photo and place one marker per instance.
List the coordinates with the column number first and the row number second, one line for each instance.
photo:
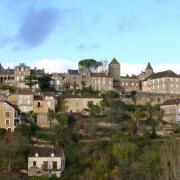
column 56, row 34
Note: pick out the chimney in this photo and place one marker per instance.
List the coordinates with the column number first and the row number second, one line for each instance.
column 36, row 154
column 52, row 153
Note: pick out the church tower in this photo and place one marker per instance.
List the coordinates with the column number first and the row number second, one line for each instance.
column 114, row 69
column 148, row 70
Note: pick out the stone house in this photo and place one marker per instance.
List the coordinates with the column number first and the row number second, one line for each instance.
column 77, row 103
column 44, row 101
column 101, row 82
column 171, row 110
column 46, row 161
column 130, row 83
column 9, row 115
column 25, row 99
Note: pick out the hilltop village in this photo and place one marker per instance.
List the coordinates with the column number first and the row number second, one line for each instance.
column 45, row 116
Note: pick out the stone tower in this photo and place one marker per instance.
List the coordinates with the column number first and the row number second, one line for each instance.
column 148, row 70
column 114, row 69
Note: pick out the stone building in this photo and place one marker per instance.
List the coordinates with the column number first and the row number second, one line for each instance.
column 43, row 102
column 25, row 99
column 9, row 115
column 46, row 161
column 58, row 81
column 130, row 83
column 144, row 74
column 77, row 103
column 21, row 71
column 7, row 76
column 114, row 69
column 15, row 77
column 162, row 82
column 171, row 110
column 101, row 82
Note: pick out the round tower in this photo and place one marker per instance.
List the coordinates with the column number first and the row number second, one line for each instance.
column 114, row 69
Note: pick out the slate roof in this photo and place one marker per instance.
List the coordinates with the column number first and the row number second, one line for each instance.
column 22, row 65
column 45, row 151
column 114, row 61
column 7, row 71
column 171, row 101
column 1, row 67
column 162, row 74
column 73, row 72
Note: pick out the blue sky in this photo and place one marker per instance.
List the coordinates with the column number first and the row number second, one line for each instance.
column 133, row 31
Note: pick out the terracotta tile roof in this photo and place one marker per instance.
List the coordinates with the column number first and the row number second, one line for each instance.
column 171, row 102
column 114, row 61
column 149, row 66
column 24, row 91
column 49, row 93
column 162, row 74
column 45, row 151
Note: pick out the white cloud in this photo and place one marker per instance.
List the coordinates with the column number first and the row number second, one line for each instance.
column 127, row 68
column 55, row 65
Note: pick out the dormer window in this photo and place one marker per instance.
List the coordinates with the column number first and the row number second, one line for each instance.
column 52, row 154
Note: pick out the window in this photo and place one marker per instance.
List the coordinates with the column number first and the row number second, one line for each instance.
column 39, row 104
column 45, row 164
column 54, row 164
column 34, row 163
column 7, row 122
column 7, row 114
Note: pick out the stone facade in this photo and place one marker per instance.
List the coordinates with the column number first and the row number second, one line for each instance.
column 77, row 103
column 162, row 82
column 114, row 69
column 46, row 161
column 25, row 100
column 130, row 83
column 9, row 116
column 171, row 110
column 15, row 77
column 101, row 82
